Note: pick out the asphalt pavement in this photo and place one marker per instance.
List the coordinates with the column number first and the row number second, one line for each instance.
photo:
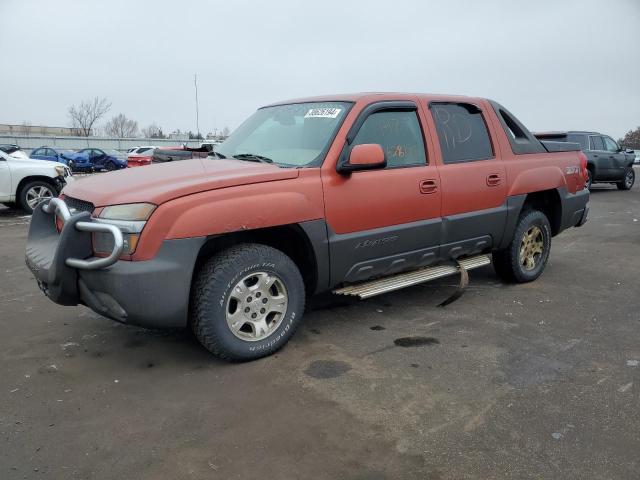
column 537, row 381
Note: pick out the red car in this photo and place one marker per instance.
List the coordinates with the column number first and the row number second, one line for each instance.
column 140, row 156
column 356, row 194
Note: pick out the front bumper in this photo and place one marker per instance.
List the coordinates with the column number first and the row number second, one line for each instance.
column 152, row 293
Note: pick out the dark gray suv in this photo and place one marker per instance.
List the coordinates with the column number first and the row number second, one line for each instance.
column 607, row 162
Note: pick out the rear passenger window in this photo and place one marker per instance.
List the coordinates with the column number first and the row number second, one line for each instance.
column 596, row 143
column 399, row 134
column 462, row 132
column 579, row 139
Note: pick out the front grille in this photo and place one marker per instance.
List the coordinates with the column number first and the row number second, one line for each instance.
column 76, row 205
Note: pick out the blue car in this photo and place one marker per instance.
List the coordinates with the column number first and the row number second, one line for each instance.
column 52, row 154
column 96, row 159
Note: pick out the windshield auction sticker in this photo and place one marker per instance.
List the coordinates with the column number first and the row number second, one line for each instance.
column 323, row 113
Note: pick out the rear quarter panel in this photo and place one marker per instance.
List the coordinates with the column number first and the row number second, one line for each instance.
column 534, row 172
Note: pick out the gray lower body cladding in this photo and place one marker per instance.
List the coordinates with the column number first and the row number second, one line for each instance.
column 152, row 293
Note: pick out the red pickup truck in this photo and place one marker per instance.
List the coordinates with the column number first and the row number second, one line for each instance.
column 358, row 194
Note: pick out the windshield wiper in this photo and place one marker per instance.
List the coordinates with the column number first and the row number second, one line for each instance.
column 213, row 153
column 252, row 157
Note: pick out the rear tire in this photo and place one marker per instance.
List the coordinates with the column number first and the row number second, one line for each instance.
column 526, row 256
column 110, row 167
column 628, row 179
column 589, row 181
column 247, row 302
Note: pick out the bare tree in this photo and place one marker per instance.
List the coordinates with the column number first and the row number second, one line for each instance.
column 631, row 139
column 122, row 127
column 225, row 132
column 152, row 131
column 85, row 115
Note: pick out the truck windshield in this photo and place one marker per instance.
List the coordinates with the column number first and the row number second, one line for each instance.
column 293, row 135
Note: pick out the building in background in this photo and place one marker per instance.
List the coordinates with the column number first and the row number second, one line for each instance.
column 40, row 130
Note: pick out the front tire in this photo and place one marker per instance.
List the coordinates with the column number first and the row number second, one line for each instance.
column 247, row 302
column 110, row 167
column 628, row 179
column 526, row 256
column 33, row 193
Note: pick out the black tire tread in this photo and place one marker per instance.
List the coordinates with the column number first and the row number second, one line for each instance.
column 21, row 195
column 506, row 262
column 220, row 264
column 622, row 185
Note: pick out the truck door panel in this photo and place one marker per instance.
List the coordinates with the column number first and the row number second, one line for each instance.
column 617, row 158
column 600, row 158
column 473, row 180
column 385, row 220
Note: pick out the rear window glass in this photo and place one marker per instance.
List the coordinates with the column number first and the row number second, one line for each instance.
column 579, row 139
column 462, row 132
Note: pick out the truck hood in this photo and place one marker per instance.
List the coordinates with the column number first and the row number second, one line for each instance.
column 162, row 182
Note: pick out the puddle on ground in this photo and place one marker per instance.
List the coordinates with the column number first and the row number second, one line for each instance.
column 377, row 327
column 415, row 341
column 327, row 369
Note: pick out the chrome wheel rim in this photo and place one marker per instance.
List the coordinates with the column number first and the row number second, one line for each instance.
column 256, row 306
column 531, row 248
column 628, row 180
column 38, row 194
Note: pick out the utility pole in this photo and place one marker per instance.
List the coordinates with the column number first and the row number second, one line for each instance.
column 195, row 84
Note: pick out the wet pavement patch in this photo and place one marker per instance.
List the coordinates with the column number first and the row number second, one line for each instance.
column 327, row 369
column 415, row 341
column 377, row 327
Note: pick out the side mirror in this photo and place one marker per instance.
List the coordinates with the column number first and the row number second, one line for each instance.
column 367, row 156
column 628, row 150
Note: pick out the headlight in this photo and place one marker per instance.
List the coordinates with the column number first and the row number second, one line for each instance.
column 63, row 171
column 130, row 219
column 131, row 211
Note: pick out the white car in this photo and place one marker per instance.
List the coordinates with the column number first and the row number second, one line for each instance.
column 25, row 182
column 140, row 150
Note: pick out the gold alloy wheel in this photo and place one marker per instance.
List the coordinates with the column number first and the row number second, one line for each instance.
column 531, row 248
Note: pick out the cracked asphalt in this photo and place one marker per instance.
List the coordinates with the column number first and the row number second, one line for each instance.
column 535, row 381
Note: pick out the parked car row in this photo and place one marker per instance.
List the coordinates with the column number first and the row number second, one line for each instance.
column 92, row 159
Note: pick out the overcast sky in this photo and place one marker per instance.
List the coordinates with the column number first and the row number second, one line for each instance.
column 555, row 65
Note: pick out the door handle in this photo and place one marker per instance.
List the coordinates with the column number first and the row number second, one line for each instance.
column 428, row 186
column 494, row 180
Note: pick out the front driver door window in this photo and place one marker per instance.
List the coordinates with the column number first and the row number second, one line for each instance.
column 399, row 134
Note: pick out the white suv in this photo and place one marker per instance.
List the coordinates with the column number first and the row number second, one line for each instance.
column 25, row 182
